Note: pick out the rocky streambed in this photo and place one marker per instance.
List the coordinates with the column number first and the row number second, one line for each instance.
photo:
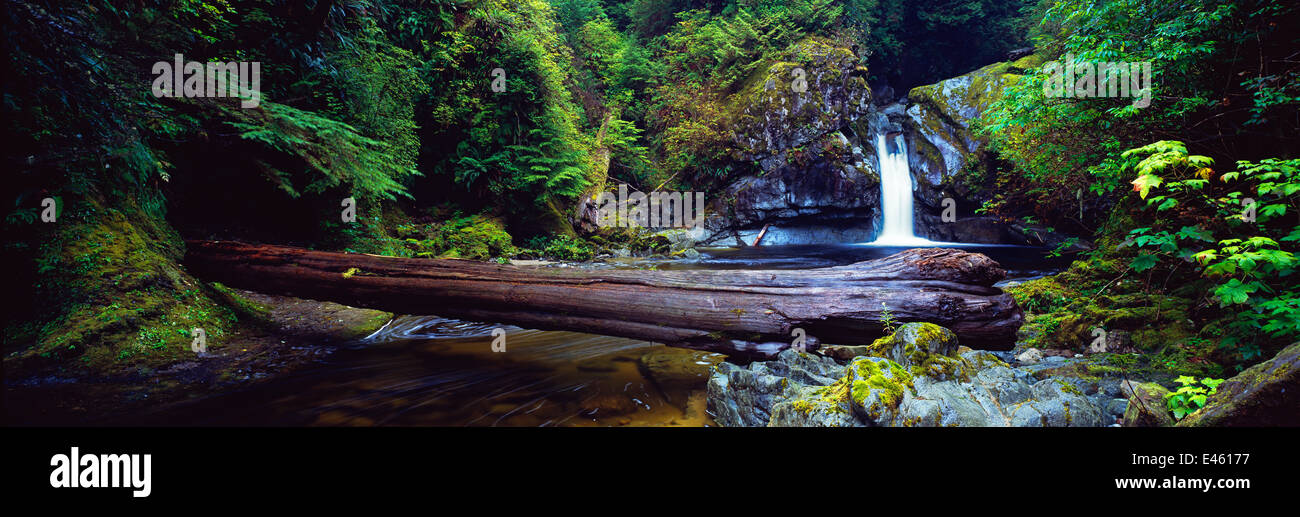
column 919, row 376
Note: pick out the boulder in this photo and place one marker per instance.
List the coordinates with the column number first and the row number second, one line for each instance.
column 924, row 347
column 947, row 160
column 845, row 352
column 914, row 377
column 812, row 184
column 1146, row 405
column 1030, row 356
column 1264, row 395
column 745, row 396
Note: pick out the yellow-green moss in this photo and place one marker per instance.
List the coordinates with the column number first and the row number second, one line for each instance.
column 1063, row 311
column 116, row 296
column 1070, row 388
column 866, row 376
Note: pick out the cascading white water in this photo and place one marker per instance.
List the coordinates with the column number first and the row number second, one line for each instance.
column 896, row 195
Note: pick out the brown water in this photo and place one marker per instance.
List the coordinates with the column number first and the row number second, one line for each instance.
column 431, row 371
column 421, row 371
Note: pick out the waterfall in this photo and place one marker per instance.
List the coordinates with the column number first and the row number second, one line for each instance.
column 896, row 195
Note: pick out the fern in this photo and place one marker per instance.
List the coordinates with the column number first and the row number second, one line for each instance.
column 334, row 151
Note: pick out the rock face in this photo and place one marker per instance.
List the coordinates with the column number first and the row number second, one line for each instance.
column 817, row 179
column 916, row 377
column 814, row 185
column 947, row 160
column 1267, row 394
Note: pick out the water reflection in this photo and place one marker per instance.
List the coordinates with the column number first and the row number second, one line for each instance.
column 434, row 371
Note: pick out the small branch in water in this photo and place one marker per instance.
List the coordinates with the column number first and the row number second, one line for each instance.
column 760, row 235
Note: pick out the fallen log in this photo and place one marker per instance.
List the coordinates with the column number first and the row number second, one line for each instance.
column 741, row 313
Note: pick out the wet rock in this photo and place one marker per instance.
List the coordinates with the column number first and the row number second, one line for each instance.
column 1061, row 404
column 913, row 343
column 1116, row 408
column 809, row 408
column 745, row 396
column 607, row 404
column 948, row 161
column 688, row 254
column 914, row 377
column 844, row 352
column 812, row 184
column 1030, row 356
column 1146, row 405
column 1267, row 394
column 967, row 228
column 678, row 239
column 1042, row 236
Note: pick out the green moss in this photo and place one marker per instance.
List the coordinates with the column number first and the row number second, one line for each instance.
column 117, row 297
column 888, row 383
column 1041, row 295
column 976, row 89
column 765, row 97
column 1063, row 311
column 1070, row 388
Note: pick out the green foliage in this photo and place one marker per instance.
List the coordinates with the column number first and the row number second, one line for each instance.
column 522, row 148
column 887, row 319
column 334, row 151
column 471, row 237
column 915, row 42
column 377, row 88
column 561, row 247
column 1190, row 397
column 1202, row 80
column 1238, row 234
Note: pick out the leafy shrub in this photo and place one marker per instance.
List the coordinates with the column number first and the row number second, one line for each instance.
column 1191, row 397
column 562, row 247
column 473, row 237
column 1236, row 233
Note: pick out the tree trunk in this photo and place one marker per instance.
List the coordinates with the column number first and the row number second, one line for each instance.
column 741, row 313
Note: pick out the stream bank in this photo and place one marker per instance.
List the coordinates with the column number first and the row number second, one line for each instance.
column 305, row 367
column 287, row 334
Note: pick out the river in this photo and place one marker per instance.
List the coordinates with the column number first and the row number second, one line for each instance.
column 426, row 370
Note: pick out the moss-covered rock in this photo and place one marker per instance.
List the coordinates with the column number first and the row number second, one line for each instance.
column 947, row 159
column 1267, row 394
column 1086, row 309
column 113, row 297
column 922, row 348
column 1146, row 405
column 778, row 112
column 877, row 391
column 876, row 387
column 805, row 169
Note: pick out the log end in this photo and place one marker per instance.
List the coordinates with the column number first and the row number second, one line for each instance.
column 955, row 265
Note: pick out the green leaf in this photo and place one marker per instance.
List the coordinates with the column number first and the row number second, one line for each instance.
column 1143, row 262
column 1144, row 183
